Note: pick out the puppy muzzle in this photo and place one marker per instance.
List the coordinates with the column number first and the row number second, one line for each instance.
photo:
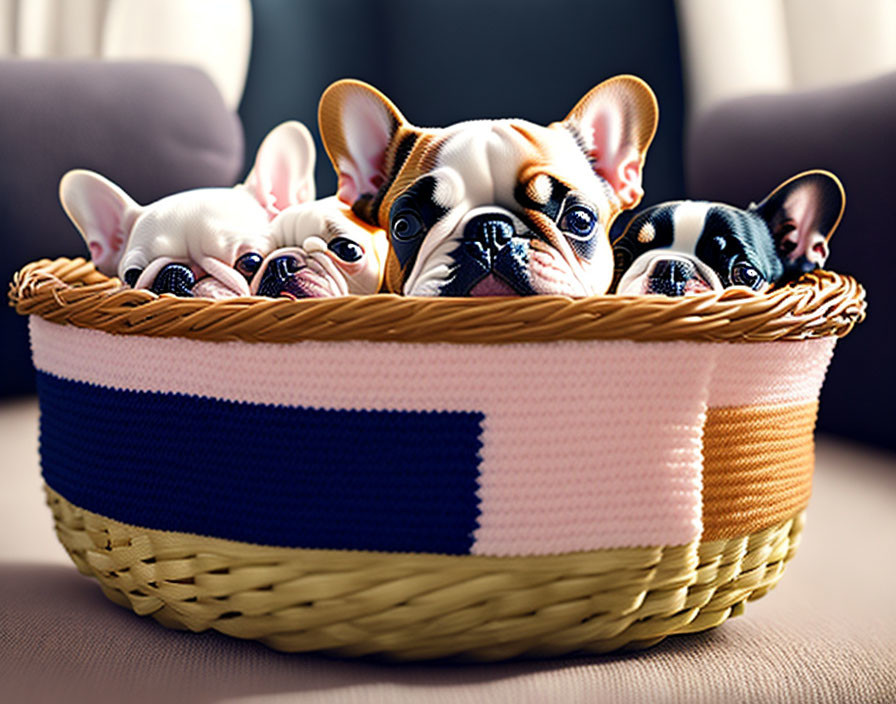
column 492, row 259
column 668, row 273
column 278, row 275
column 300, row 275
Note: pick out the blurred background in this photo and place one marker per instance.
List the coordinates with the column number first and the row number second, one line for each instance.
column 173, row 94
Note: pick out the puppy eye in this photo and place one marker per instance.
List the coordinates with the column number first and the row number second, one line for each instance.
column 406, row 225
column 578, row 222
column 131, row 276
column 345, row 249
column 745, row 275
column 248, row 264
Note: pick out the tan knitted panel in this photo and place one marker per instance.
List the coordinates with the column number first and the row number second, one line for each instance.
column 73, row 292
column 757, row 467
column 419, row 606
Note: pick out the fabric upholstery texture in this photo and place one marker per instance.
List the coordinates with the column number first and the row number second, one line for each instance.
column 827, row 633
column 744, row 146
column 734, row 49
column 153, row 128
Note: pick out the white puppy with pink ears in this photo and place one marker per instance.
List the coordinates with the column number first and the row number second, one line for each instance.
column 203, row 242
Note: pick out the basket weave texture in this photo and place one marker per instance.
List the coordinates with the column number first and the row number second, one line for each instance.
column 412, row 607
column 73, row 292
column 756, row 478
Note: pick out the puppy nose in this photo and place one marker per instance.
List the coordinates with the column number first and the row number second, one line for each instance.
column 284, row 267
column 488, row 234
column 276, row 274
column 174, row 278
column 670, row 277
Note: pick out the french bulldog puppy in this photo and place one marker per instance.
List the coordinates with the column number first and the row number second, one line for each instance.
column 492, row 207
column 202, row 242
column 686, row 247
column 324, row 250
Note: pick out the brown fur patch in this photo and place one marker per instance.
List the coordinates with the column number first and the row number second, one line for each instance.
column 420, row 161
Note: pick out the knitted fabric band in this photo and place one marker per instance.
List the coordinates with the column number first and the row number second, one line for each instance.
column 492, row 450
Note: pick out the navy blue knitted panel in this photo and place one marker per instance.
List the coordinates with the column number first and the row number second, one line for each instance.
column 274, row 475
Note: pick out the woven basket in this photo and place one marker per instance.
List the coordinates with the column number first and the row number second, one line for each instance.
column 427, row 478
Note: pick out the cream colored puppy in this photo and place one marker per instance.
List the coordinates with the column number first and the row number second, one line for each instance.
column 324, row 250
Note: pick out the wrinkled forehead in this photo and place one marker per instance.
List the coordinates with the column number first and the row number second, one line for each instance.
column 488, row 159
column 326, row 218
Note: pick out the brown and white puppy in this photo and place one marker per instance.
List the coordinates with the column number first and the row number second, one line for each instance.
column 492, row 207
column 324, row 250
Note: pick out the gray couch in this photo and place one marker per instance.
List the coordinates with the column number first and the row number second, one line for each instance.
column 152, row 128
column 738, row 151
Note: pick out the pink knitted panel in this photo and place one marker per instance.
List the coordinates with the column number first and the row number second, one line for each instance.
column 586, row 445
column 770, row 373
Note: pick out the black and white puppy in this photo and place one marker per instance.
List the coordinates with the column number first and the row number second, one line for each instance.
column 684, row 247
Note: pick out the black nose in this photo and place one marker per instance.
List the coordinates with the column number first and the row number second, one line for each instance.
column 174, row 278
column 670, row 276
column 487, row 234
column 283, row 267
column 276, row 274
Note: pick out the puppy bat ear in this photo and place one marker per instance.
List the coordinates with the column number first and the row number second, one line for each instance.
column 802, row 213
column 283, row 173
column 616, row 121
column 358, row 125
column 103, row 213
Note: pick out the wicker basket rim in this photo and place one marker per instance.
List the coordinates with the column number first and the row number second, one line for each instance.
column 72, row 291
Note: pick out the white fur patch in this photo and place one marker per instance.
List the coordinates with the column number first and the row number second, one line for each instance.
column 487, row 156
column 687, row 222
column 449, row 188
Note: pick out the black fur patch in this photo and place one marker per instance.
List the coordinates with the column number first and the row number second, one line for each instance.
column 418, row 199
column 730, row 236
column 628, row 247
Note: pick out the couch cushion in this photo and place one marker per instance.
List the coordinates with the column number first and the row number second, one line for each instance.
column 742, row 148
column 152, row 128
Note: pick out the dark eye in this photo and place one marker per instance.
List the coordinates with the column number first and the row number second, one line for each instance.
column 578, row 222
column 406, row 225
column 345, row 249
column 248, row 264
column 131, row 276
column 743, row 274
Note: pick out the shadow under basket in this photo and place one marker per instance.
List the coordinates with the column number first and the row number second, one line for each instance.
column 431, row 478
